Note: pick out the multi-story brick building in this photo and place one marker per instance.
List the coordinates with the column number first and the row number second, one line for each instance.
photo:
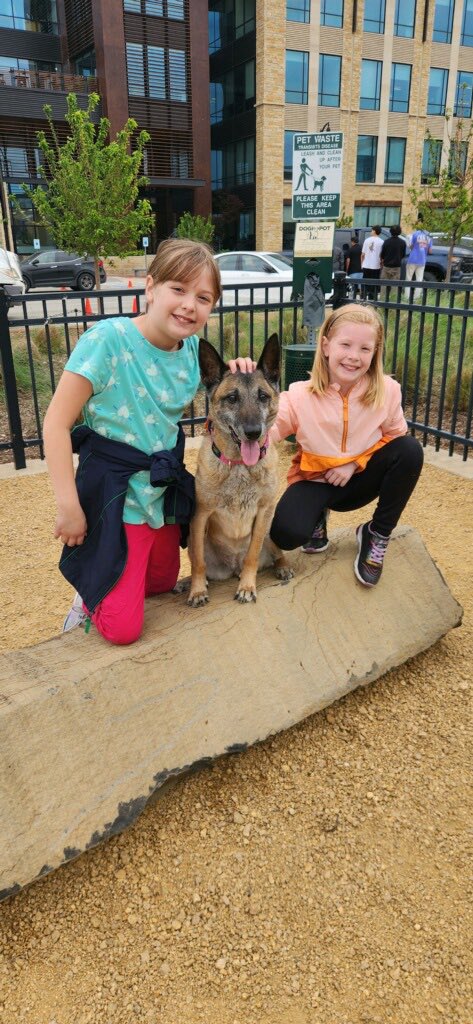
column 147, row 59
column 381, row 71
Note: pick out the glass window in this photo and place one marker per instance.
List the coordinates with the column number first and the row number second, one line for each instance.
column 244, row 17
column 467, row 25
column 298, row 10
column 365, row 216
column 246, row 230
column 14, row 162
column 431, row 157
column 395, row 156
column 297, row 76
column 437, row 96
column 405, row 18
column 177, row 75
column 133, row 6
column 400, row 88
column 86, row 64
column 288, row 153
column 176, row 10
column 457, row 160
column 154, row 7
column 370, row 96
column 463, row 94
column 331, row 13
column 443, row 21
column 135, row 69
column 216, row 168
column 255, row 264
column 156, row 73
column 330, row 68
column 366, row 158
column 228, row 262
column 180, row 163
column 31, row 17
column 375, row 11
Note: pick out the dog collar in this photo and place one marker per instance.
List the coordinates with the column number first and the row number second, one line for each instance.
column 234, row 462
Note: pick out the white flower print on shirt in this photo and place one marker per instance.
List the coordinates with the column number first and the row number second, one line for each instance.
column 183, row 375
column 163, row 396
column 123, row 411
column 120, row 328
column 141, row 391
column 152, row 370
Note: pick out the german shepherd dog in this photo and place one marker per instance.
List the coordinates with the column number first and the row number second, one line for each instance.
column 236, row 477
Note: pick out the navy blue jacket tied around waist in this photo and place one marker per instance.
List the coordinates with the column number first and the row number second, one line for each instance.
column 105, row 467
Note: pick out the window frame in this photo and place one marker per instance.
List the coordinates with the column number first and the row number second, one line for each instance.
column 397, row 105
column 398, row 13
column 301, row 7
column 394, row 177
column 458, row 110
column 373, row 157
column 302, row 95
column 466, row 37
column 375, row 101
column 379, row 20
column 322, row 96
column 435, row 151
column 441, row 107
column 334, row 19
column 443, row 35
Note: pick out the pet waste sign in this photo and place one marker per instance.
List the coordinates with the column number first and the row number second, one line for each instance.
column 317, row 176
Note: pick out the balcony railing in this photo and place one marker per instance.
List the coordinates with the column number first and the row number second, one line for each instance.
column 49, row 81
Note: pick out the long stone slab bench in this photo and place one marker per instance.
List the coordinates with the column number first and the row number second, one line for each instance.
column 88, row 731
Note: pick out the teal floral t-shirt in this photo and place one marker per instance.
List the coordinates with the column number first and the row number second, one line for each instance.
column 139, row 395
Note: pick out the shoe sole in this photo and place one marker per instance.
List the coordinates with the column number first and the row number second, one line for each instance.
column 315, row 551
column 355, row 566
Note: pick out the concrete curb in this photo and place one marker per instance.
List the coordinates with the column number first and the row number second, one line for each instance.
column 441, row 460
column 88, row 732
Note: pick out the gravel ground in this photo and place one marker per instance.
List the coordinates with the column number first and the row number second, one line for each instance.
column 322, row 877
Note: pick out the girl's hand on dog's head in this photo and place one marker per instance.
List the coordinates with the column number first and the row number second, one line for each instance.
column 244, row 364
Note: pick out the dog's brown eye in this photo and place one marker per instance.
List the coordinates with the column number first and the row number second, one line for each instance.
column 232, row 397
column 263, row 396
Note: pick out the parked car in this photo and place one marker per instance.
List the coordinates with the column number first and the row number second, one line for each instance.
column 55, row 268
column 256, row 269
column 436, row 265
column 11, row 281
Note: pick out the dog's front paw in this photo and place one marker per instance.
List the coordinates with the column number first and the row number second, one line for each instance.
column 182, row 585
column 199, row 593
column 245, row 594
column 284, row 572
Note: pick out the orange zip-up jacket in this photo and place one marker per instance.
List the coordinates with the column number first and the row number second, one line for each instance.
column 333, row 429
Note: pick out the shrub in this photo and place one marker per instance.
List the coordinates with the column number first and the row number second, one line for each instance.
column 21, row 362
column 464, row 391
column 200, row 229
column 49, row 338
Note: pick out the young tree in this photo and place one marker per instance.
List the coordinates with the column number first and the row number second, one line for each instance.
column 90, row 203
column 445, row 202
column 200, row 229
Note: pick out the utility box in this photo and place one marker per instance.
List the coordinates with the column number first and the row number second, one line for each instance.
column 313, row 253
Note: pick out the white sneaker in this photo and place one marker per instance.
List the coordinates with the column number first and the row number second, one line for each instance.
column 77, row 616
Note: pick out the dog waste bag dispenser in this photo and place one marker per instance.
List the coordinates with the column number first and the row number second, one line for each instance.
column 313, row 248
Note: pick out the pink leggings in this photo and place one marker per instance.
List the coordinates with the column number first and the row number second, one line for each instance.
column 152, row 568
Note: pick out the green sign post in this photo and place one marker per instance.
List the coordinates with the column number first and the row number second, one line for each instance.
column 317, row 176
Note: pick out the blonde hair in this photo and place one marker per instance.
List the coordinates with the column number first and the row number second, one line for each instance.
column 354, row 313
column 181, row 259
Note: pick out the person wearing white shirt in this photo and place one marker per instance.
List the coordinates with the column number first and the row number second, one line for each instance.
column 371, row 258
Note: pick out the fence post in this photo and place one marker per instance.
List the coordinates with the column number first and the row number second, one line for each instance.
column 9, row 384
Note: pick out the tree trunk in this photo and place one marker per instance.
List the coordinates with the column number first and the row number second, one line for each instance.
column 97, row 274
column 449, row 262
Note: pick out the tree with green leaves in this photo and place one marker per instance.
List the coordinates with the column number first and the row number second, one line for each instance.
column 200, row 229
column 90, row 203
column 444, row 202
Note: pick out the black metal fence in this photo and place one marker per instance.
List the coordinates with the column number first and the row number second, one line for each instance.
column 429, row 349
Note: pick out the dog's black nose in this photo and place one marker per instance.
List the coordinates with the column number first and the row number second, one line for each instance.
column 252, row 432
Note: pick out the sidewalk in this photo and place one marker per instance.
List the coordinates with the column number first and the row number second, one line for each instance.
column 441, row 460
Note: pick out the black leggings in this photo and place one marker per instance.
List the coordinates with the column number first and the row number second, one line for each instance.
column 391, row 475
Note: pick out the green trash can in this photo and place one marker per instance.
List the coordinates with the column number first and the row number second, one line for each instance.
column 298, row 361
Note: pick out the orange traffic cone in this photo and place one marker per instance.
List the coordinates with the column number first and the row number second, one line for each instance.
column 88, row 308
column 130, row 283
column 134, row 308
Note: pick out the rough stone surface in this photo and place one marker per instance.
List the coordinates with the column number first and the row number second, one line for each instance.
column 88, row 732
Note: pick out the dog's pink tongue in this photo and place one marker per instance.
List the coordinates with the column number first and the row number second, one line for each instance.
column 250, row 451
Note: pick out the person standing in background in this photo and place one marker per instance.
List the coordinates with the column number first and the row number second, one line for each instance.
column 392, row 254
column 371, row 258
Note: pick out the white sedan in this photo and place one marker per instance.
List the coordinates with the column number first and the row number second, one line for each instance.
column 258, row 269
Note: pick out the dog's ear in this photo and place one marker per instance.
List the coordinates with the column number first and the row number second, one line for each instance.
column 269, row 361
column 212, row 366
